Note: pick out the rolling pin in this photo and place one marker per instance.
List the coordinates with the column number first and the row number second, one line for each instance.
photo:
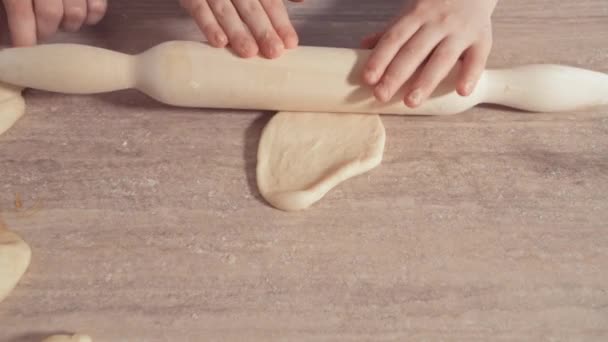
column 312, row 79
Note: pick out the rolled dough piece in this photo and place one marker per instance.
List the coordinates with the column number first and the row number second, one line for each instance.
column 68, row 338
column 12, row 106
column 301, row 156
column 15, row 257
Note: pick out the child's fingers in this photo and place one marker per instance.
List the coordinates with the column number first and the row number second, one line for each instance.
column 238, row 35
column 434, row 71
column 279, row 18
column 252, row 12
column 473, row 65
column 21, row 22
column 204, row 18
column 48, row 16
column 74, row 14
column 407, row 60
column 97, row 9
column 387, row 47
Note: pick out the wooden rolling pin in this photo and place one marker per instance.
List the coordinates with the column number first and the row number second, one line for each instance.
column 314, row 79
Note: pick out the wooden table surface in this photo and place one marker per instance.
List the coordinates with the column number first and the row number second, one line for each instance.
column 147, row 224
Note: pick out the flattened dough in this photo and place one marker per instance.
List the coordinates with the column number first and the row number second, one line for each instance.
column 302, row 156
column 68, row 338
column 12, row 106
column 15, row 257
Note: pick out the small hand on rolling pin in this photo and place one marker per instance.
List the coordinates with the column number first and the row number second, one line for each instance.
column 249, row 26
column 422, row 45
column 30, row 21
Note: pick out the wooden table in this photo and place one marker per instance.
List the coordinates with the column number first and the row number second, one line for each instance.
column 147, row 226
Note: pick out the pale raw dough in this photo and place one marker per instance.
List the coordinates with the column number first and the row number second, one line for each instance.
column 15, row 257
column 68, row 338
column 301, row 156
column 12, row 106
column 306, row 79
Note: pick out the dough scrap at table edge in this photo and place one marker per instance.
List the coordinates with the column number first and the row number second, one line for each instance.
column 12, row 106
column 18, row 254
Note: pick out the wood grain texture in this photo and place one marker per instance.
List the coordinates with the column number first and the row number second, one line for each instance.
column 485, row 226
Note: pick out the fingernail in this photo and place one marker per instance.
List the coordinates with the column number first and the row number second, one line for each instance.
column 468, row 88
column 247, row 49
column 220, row 39
column 370, row 76
column 415, row 97
column 291, row 41
column 275, row 49
column 382, row 92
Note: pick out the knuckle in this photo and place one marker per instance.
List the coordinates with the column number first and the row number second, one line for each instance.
column 212, row 3
column 481, row 33
column 392, row 36
column 251, row 7
column 408, row 50
column 272, row 3
column 445, row 52
column 449, row 22
column 222, row 9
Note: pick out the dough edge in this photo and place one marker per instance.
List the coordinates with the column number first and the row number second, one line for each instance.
column 15, row 255
column 12, row 106
column 302, row 199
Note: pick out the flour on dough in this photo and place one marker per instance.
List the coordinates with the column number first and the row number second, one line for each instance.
column 12, row 106
column 302, row 156
column 15, row 257
column 68, row 338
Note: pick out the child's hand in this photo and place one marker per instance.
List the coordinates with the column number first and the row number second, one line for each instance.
column 33, row 20
column 435, row 33
column 248, row 26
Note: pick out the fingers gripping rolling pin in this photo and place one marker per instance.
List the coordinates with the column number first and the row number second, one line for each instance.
column 313, row 79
